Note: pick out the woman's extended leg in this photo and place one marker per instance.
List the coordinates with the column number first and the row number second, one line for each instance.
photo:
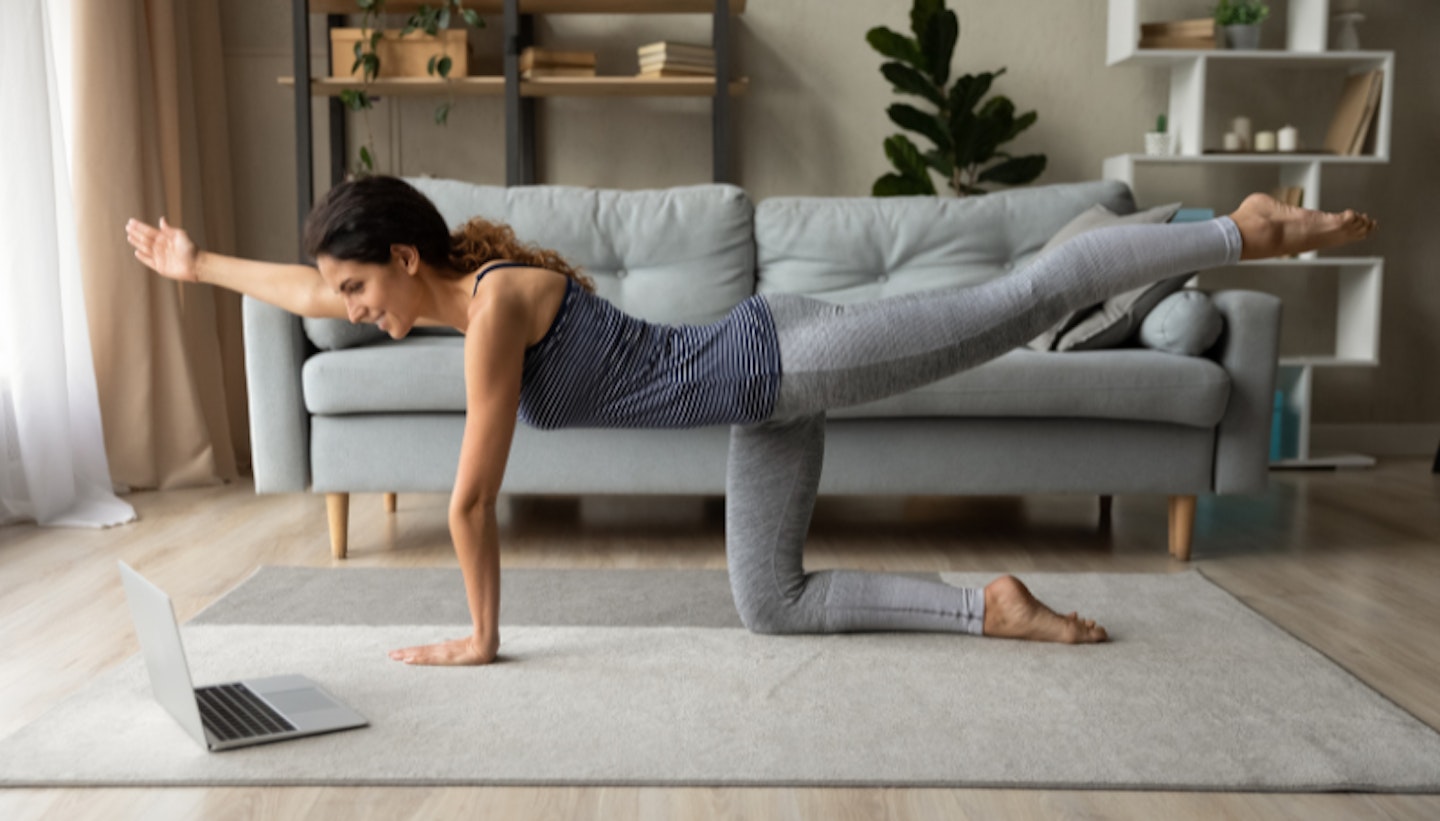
column 837, row 355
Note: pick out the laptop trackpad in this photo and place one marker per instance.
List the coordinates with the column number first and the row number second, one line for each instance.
column 300, row 700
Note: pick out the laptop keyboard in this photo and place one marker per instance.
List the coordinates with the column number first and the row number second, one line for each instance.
column 232, row 711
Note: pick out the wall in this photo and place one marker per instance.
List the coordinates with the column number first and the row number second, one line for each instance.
column 813, row 123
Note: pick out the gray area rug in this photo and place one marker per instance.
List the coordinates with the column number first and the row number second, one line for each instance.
column 647, row 678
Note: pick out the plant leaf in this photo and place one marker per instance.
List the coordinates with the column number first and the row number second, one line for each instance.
column 895, row 46
column 907, row 80
column 937, row 41
column 922, row 122
column 442, row 113
column 894, row 185
column 1016, row 170
column 970, row 89
column 921, row 13
column 442, row 19
column 444, row 66
column 366, row 159
column 942, row 162
column 1021, row 123
column 473, row 18
column 905, row 157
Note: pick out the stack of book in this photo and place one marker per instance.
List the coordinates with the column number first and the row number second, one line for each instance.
column 1351, row 130
column 1196, row 33
column 667, row 59
column 539, row 62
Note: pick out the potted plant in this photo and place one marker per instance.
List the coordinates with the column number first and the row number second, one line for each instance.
column 367, row 48
column 1241, row 21
column 967, row 140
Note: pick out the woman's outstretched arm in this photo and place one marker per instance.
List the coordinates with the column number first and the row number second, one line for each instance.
column 299, row 289
column 494, row 360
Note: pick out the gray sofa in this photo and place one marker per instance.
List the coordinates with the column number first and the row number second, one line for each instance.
column 340, row 409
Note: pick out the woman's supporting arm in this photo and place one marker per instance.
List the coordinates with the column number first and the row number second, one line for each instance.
column 494, row 360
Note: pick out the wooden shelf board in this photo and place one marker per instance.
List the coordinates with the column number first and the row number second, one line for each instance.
column 1327, row 362
column 494, row 86
column 1316, row 262
column 497, row 7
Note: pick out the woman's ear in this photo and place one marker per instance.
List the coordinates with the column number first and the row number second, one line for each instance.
column 408, row 256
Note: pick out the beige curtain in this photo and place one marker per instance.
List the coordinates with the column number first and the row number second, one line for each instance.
column 152, row 139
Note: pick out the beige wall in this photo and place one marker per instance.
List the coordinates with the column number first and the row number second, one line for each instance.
column 813, row 123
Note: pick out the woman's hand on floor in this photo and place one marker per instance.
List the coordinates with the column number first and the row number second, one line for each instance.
column 470, row 650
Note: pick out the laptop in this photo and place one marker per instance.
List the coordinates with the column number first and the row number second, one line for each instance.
column 225, row 716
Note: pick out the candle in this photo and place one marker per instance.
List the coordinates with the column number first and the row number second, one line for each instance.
column 1288, row 138
column 1232, row 141
column 1265, row 141
column 1241, row 127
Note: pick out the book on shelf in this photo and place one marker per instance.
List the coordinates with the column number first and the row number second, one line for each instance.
column 1194, row 27
column 1358, row 107
column 1289, row 194
column 651, row 73
column 660, row 59
column 1170, row 42
column 533, row 57
column 541, row 72
column 666, row 48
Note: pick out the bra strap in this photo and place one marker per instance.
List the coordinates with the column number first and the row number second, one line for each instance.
column 494, row 268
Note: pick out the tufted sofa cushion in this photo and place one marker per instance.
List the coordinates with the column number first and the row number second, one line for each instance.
column 861, row 248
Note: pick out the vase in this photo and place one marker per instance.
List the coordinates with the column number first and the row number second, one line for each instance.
column 1242, row 37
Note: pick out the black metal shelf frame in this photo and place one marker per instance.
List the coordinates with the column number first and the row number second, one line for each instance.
column 519, row 111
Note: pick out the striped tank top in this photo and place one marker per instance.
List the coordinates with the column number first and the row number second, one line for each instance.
column 598, row 367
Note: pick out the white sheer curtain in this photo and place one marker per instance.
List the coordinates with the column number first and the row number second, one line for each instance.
column 52, row 451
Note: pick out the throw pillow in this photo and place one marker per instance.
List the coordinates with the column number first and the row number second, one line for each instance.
column 1185, row 323
column 1115, row 320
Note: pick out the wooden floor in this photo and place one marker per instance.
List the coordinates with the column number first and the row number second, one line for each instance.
column 1348, row 561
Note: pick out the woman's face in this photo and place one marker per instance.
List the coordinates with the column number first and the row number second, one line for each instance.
column 385, row 294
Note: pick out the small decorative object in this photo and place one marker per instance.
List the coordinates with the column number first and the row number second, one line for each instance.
column 1160, row 143
column 1241, row 127
column 1345, row 37
column 1233, row 142
column 1287, row 138
column 1265, row 141
column 1241, row 20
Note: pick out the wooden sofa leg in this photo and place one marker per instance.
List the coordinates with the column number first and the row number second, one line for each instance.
column 338, row 506
column 1182, row 526
column 1105, row 504
column 389, row 503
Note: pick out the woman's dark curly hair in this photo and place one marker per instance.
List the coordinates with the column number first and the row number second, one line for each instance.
column 360, row 219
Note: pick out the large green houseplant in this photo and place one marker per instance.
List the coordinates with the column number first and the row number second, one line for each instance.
column 967, row 133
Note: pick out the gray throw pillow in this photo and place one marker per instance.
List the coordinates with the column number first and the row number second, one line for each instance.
column 1115, row 320
column 1185, row 323
column 333, row 334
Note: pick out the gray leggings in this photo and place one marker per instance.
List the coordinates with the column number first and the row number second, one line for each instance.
column 837, row 355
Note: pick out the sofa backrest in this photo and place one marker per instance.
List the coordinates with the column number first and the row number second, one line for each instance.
column 852, row 249
column 677, row 255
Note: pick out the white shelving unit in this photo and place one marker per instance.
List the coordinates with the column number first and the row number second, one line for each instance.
column 1357, row 321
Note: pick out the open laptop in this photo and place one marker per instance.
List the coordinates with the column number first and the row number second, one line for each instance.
column 225, row 716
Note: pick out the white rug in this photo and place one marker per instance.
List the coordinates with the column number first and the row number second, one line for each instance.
column 1196, row 692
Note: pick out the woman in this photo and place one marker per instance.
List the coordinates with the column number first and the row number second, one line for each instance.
column 538, row 341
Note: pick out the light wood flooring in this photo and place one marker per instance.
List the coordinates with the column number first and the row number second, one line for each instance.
column 1348, row 561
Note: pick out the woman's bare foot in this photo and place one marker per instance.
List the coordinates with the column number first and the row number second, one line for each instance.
column 1270, row 228
column 1012, row 612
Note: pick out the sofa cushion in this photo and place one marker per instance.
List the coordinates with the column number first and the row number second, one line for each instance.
column 859, row 248
column 1112, row 322
column 1134, row 384
column 426, row 374
column 1185, row 323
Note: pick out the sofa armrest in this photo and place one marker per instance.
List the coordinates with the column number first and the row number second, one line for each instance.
column 1249, row 351
column 275, row 350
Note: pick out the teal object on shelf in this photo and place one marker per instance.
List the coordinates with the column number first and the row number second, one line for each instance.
column 1193, row 215
column 1277, row 428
